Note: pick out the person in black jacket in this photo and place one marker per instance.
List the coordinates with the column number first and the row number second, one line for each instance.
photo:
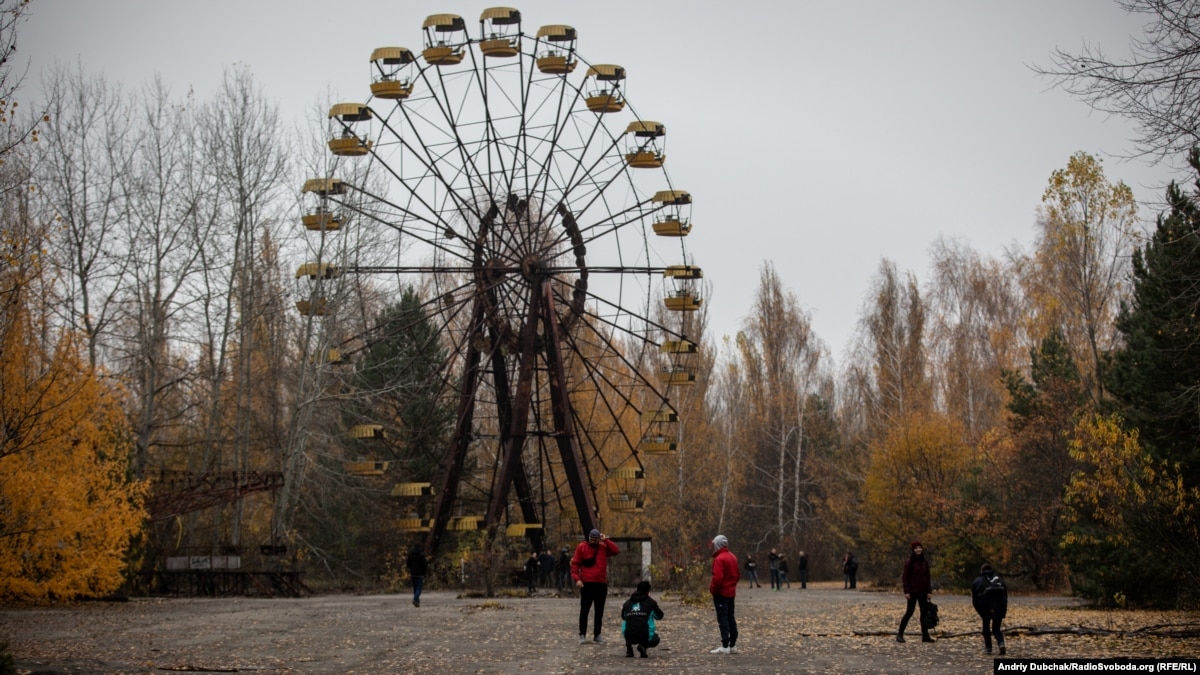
column 563, row 569
column 752, row 571
column 917, row 586
column 989, row 597
column 417, row 567
column 638, row 617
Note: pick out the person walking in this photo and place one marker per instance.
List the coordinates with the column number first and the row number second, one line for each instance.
column 752, row 571
column 638, row 617
column 723, row 588
column 802, row 568
column 589, row 569
column 989, row 597
column 917, row 587
column 773, row 563
column 417, row 566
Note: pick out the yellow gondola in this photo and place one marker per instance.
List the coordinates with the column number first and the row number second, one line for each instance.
column 368, row 467
column 645, row 150
column 412, row 490
column 500, row 32
column 445, row 36
column 558, row 58
column 389, row 79
column 342, row 141
column 602, row 87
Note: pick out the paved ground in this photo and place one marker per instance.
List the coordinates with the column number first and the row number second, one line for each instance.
column 822, row 629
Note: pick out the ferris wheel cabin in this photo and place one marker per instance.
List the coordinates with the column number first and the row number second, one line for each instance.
column 556, row 50
column 445, row 39
column 645, row 144
column 602, row 88
column 391, row 72
column 319, row 216
column 343, row 142
column 500, row 32
column 676, row 210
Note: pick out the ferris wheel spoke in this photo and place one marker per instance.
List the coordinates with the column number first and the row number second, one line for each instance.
column 430, row 238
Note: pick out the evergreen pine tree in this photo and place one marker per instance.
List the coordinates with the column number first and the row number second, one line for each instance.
column 1155, row 378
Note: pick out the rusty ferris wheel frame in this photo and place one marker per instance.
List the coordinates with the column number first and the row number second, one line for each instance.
column 534, row 207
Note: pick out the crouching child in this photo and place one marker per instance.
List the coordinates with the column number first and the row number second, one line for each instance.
column 638, row 616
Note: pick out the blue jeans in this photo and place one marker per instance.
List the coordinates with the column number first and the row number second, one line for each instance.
column 726, row 620
column 418, row 586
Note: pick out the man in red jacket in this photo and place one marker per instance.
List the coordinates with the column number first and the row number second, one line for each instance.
column 723, row 588
column 589, row 569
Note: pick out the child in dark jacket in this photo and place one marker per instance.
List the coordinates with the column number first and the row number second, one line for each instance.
column 637, row 620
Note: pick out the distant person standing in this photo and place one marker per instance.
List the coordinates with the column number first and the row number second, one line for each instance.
column 531, row 572
column 546, row 568
column 723, row 587
column 752, row 571
column 917, row 587
column 802, row 569
column 589, row 569
column 783, row 571
column 850, row 570
column 417, row 567
column 563, row 570
column 989, row 597
column 773, row 563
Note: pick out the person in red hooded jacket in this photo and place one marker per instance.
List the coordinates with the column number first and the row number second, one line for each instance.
column 725, row 577
column 589, row 569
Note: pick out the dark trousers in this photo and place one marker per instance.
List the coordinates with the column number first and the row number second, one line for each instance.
column 564, row 579
column 803, row 577
column 775, row 578
column 752, row 575
column 726, row 620
column 640, row 639
column 915, row 599
column 592, row 593
column 991, row 626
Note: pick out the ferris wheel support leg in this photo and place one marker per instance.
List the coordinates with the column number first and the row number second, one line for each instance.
column 560, row 404
column 520, row 479
column 515, row 443
column 456, row 451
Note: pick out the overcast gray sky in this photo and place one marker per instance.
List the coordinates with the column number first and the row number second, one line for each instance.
column 822, row 136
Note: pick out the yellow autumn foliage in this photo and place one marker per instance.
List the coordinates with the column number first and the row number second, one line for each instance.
column 67, row 509
column 911, row 485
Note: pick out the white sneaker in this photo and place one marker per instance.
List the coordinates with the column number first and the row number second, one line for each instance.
column 732, row 649
column 720, row 650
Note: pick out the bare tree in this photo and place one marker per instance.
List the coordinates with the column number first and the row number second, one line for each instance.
column 245, row 150
column 85, row 173
column 974, row 333
column 17, row 129
column 783, row 361
column 1158, row 86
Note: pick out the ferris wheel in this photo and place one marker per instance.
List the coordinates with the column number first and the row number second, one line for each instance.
column 531, row 209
